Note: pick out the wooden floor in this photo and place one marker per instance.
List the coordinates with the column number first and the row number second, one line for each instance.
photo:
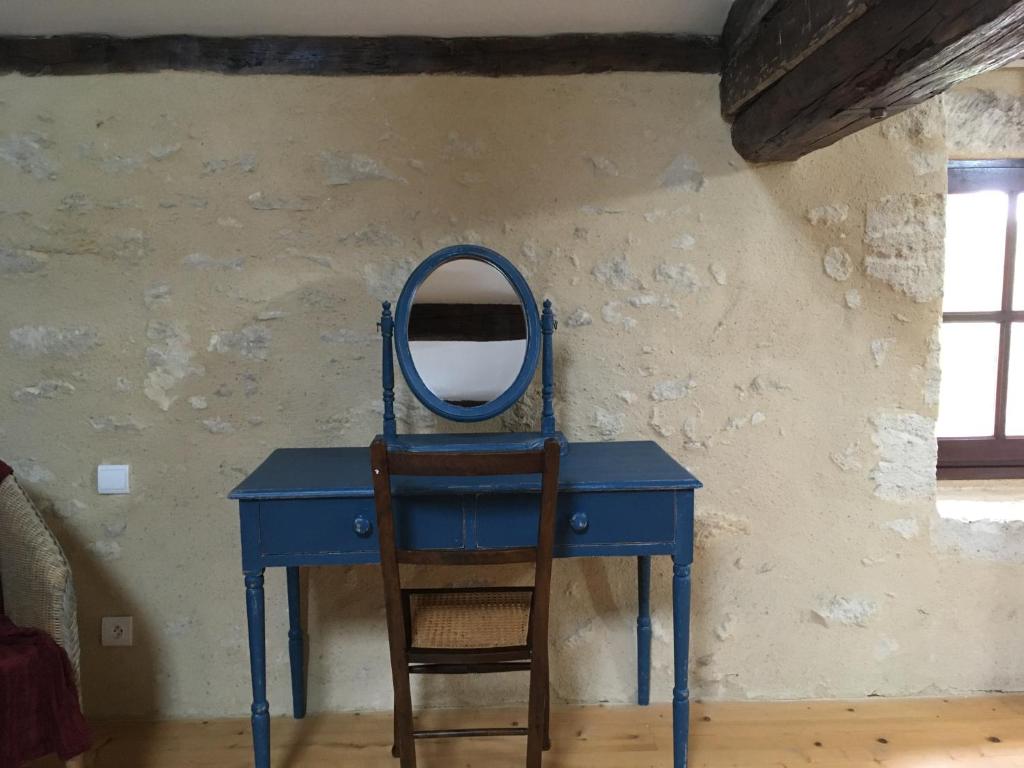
column 900, row 733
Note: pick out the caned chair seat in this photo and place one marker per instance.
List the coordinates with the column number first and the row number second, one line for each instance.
column 470, row 619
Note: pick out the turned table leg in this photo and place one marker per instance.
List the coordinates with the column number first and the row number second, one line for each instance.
column 295, row 642
column 681, row 631
column 643, row 631
column 258, row 667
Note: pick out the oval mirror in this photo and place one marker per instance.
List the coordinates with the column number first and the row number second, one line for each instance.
column 467, row 333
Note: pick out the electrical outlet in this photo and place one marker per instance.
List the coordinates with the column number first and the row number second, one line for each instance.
column 116, row 630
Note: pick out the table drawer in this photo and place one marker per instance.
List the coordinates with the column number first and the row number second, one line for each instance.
column 328, row 526
column 584, row 520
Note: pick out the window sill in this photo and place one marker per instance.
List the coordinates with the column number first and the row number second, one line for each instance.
column 973, row 500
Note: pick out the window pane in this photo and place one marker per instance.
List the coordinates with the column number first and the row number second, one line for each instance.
column 1015, row 386
column 967, row 399
column 975, row 251
column 1018, row 272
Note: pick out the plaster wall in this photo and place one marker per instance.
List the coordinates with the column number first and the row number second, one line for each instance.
column 191, row 270
column 985, row 116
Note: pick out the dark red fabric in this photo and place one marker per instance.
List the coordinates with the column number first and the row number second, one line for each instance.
column 5, row 470
column 39, row 712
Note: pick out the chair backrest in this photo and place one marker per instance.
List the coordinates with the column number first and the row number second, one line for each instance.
column 35, row 576
column 545, row 461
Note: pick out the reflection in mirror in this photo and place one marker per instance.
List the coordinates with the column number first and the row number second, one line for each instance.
column 467, row 332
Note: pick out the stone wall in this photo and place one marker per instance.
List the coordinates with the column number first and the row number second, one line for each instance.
column 191, row 270
column 985, row 116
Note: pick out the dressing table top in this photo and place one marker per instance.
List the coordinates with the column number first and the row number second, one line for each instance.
column 301, row 473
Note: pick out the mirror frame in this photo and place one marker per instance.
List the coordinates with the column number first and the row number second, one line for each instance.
column 506, row 399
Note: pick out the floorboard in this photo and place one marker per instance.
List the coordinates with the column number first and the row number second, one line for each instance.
column 986, row 732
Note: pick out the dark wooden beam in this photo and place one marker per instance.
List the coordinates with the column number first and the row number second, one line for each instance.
column 784, row 38
column 812, row 73
column 489, row 56
column 745, row 16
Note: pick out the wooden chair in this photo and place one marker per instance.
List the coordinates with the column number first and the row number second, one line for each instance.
column 467, row 630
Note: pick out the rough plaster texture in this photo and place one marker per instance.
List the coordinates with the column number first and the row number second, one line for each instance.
column 191, row 278
column 985, row 116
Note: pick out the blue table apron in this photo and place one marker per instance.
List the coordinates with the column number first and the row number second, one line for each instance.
column 314, row 506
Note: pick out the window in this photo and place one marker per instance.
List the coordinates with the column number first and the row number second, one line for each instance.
column 981, row 404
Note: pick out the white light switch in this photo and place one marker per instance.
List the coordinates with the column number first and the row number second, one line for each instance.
column 113, row 478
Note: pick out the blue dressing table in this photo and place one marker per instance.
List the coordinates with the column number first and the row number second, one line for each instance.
column 315, row 506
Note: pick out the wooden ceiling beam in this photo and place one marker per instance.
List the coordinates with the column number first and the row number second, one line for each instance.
column 399, row 55
column 804, row 75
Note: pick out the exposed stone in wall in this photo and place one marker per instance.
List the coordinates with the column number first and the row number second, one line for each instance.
column 170, row 361
column 837, row 264
column 612, row 313
column 905, row 237
column 259, row 201
column 849, row 611
column 204, row 261
column 906, row 527
column 252, row 341
column 164, row 151
column 21, row 262
column 376, row 235
column 673, row 389
column 47, row 389
column 848, row 459
column 920, row 125
column 71, row 341
column 69, row 508
column 830, row 215
column 932, row 369
column 906, row 456
column 385, row 280
column 246, row 163
column 105, row 550
column 28, row 153
column 578, row 318
column 603, row 166
column 343, row 169
column 880, row 349
column 108, row 160
column 679, row 277
column 609, row 425
column 116, row 424
column 712, row 524
column 683, row 172
column 30, row 470
column 685, row 242
column 984, row 123
column 157, row 295
column 218, row 426
column 980, row 539
column 616, row 274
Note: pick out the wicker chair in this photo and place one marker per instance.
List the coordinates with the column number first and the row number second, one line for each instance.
column 35, row 577
column 468, row 629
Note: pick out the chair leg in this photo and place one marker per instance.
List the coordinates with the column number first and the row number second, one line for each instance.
column 547, row 715
column 394, row 719
column 403, row 722
column 535, row 732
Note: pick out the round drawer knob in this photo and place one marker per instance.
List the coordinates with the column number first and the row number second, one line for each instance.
column 362, row 526
column 579, row 522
